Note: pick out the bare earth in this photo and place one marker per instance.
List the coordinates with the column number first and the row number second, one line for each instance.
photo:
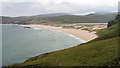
column 82, row 34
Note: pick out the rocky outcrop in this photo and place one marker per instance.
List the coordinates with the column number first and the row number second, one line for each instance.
column 115, row 21
column 118, row 16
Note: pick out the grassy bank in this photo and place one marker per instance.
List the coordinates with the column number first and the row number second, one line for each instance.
column 99, row 52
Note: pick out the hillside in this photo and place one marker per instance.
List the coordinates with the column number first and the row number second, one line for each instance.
column 102, row 51
column 10, row 20
column 116, row 20
column 59, row 18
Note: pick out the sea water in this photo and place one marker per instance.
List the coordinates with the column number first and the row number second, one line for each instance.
column 19, row 43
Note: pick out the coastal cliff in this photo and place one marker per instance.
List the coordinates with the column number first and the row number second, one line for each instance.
column 115, row 21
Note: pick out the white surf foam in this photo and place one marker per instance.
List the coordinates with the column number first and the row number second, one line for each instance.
column 37, row 28
column 82, row 41
column 26, row 25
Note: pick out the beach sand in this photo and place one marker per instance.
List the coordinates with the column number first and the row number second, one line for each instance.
column 82, row 34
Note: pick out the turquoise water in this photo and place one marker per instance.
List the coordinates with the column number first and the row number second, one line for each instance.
column 19, row 43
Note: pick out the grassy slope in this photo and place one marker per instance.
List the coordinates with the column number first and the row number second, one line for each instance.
column 93, row 53
column 113, row 31
column 101, row 51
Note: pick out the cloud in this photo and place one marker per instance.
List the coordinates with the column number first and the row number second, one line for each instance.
column 34, row 7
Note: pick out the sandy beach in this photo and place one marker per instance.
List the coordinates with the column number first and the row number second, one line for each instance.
column 82, row 34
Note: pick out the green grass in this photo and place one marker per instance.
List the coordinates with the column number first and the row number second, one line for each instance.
column 68, row 27
column 90, row 54
column 88, row 25
column 79, row 26
column 88, row 29
column 99, row 52
column 73, row 27
column 113, row 31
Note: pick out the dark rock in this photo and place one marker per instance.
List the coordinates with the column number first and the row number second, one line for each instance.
column 115, row 21
column 118, row 16
column 27, row 27
column 110, row 23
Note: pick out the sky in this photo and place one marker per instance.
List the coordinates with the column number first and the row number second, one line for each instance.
column 35, row 7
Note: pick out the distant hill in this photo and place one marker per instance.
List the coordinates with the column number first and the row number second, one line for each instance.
column 50, row 15
column 103, row 16
column 61, row 18
column 13, row 19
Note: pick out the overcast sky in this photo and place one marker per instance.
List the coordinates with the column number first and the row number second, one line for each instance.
column 35, row 7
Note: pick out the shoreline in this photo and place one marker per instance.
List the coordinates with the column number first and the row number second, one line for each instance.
column 81, row 35
column 82, row 41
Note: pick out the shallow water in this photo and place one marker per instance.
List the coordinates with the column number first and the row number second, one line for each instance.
column 19, row 43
